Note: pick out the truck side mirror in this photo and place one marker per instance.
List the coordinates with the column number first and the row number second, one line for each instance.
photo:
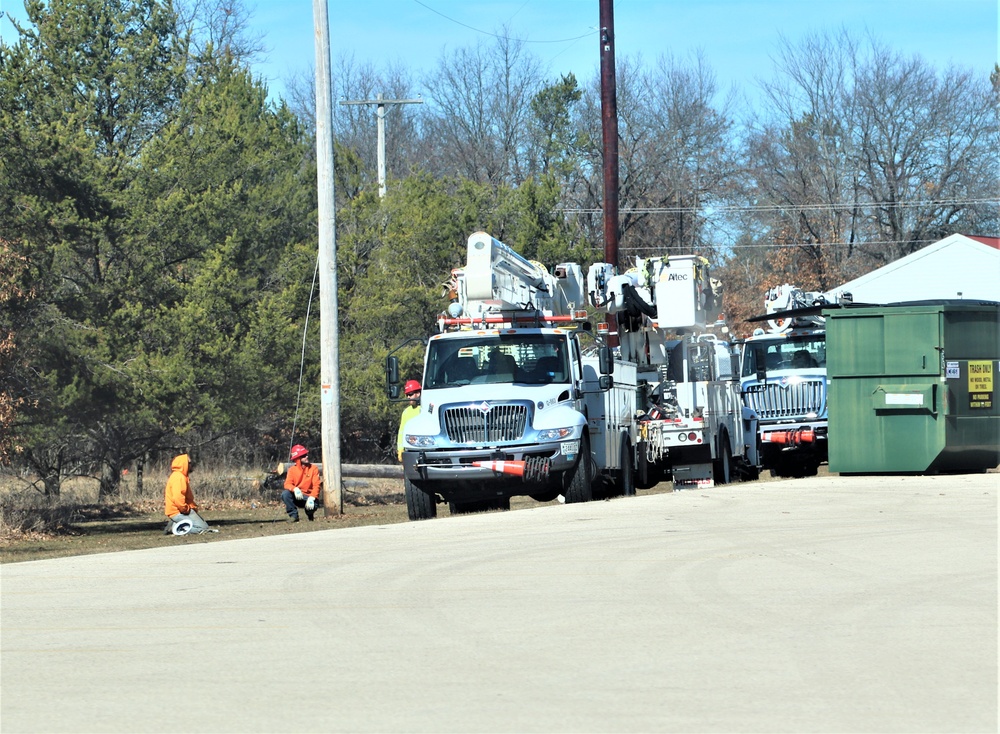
column 392, row 377
column 759, row 357
column 606, row 361
column 605, row 382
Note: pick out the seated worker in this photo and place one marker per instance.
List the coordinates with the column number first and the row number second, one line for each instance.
column 178, row 500
column 302, row 485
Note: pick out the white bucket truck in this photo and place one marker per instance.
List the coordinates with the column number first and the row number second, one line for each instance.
column 513, row 403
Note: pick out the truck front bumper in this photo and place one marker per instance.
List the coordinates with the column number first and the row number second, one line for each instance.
column 456, row 464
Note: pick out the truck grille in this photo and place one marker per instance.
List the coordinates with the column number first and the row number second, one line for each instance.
column 795, row 400
column 472, row 424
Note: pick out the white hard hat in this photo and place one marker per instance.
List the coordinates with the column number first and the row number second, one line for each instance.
column 181, row 527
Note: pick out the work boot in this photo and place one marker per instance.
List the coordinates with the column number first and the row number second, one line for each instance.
column 293, row 518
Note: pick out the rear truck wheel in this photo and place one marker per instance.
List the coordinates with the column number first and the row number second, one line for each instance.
column 626, row 475
column 722, row 468
column 579, row 482
column 420, row 505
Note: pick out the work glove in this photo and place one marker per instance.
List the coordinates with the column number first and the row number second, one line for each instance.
column 311, row 504
column 298, row 494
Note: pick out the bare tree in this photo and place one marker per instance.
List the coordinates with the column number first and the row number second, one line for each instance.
column 927, row 149
column 478, row 124
column 675, row 155
column 355, row 126
column 864, row 156
column 222, row 25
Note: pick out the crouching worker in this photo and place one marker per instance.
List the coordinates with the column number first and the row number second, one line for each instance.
column 302, row 485
column 179, row 504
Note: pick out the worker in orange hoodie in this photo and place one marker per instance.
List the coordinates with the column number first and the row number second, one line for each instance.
column 302, row 485
column 179, row 504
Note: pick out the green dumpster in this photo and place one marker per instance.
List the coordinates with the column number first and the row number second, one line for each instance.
column 913, row 387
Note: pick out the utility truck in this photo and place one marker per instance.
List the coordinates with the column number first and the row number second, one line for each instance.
column 517, row 396
column 783, row 380
column 692, row 427
column 521, row 397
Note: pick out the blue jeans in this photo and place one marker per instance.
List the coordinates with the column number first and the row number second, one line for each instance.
column 292, row 505
column 198, row 524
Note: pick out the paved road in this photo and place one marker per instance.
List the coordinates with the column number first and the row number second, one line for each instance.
column 828, row 604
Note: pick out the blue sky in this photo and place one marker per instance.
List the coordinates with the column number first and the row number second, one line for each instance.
column 738, row 37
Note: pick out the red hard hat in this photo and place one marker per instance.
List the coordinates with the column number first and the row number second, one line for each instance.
column 298, row 451
column 411, row 386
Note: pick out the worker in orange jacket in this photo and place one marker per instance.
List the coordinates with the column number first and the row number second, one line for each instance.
column 178, row 500
column 302, row 485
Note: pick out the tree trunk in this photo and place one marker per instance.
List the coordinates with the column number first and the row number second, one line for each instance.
column 111, row 477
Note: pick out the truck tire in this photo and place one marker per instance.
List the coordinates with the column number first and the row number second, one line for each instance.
column 420, row 505
column 579, row 484
column 626, row 475
column 722, row 468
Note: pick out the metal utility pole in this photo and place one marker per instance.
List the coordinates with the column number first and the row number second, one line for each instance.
column 333, row 498
column 381, row 103
column 609, row 127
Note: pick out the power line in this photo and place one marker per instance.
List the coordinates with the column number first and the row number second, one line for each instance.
column 783, row 207
column 496, row 35
column 776, row 245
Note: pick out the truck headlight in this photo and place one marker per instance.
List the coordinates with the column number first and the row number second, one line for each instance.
column 419, row 442
column 550, row 434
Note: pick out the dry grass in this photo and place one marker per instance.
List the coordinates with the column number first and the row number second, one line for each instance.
column 32, row 528
column 240, row 505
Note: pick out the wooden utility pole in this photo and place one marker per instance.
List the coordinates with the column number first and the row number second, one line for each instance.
column 609, row 128
column 381, row 103
column 333, row 498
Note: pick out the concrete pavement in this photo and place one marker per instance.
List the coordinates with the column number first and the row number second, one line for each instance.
column 864, row 604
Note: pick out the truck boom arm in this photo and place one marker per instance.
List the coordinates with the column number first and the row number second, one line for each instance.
column 496, row 279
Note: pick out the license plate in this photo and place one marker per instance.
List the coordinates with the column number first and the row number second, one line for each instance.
column 569, row 448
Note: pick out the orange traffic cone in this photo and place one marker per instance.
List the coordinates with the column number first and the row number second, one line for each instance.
column 806, row 435
column 514, row 468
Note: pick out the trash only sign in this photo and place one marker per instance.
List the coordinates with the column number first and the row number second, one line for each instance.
column 980, row 384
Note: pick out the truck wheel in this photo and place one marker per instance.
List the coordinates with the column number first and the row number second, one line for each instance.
column 420, row 505
column 722, row 469
column 626, row 476
column 579, row 485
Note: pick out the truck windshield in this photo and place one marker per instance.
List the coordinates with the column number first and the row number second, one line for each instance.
column 790, row 353
column 533, row 359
